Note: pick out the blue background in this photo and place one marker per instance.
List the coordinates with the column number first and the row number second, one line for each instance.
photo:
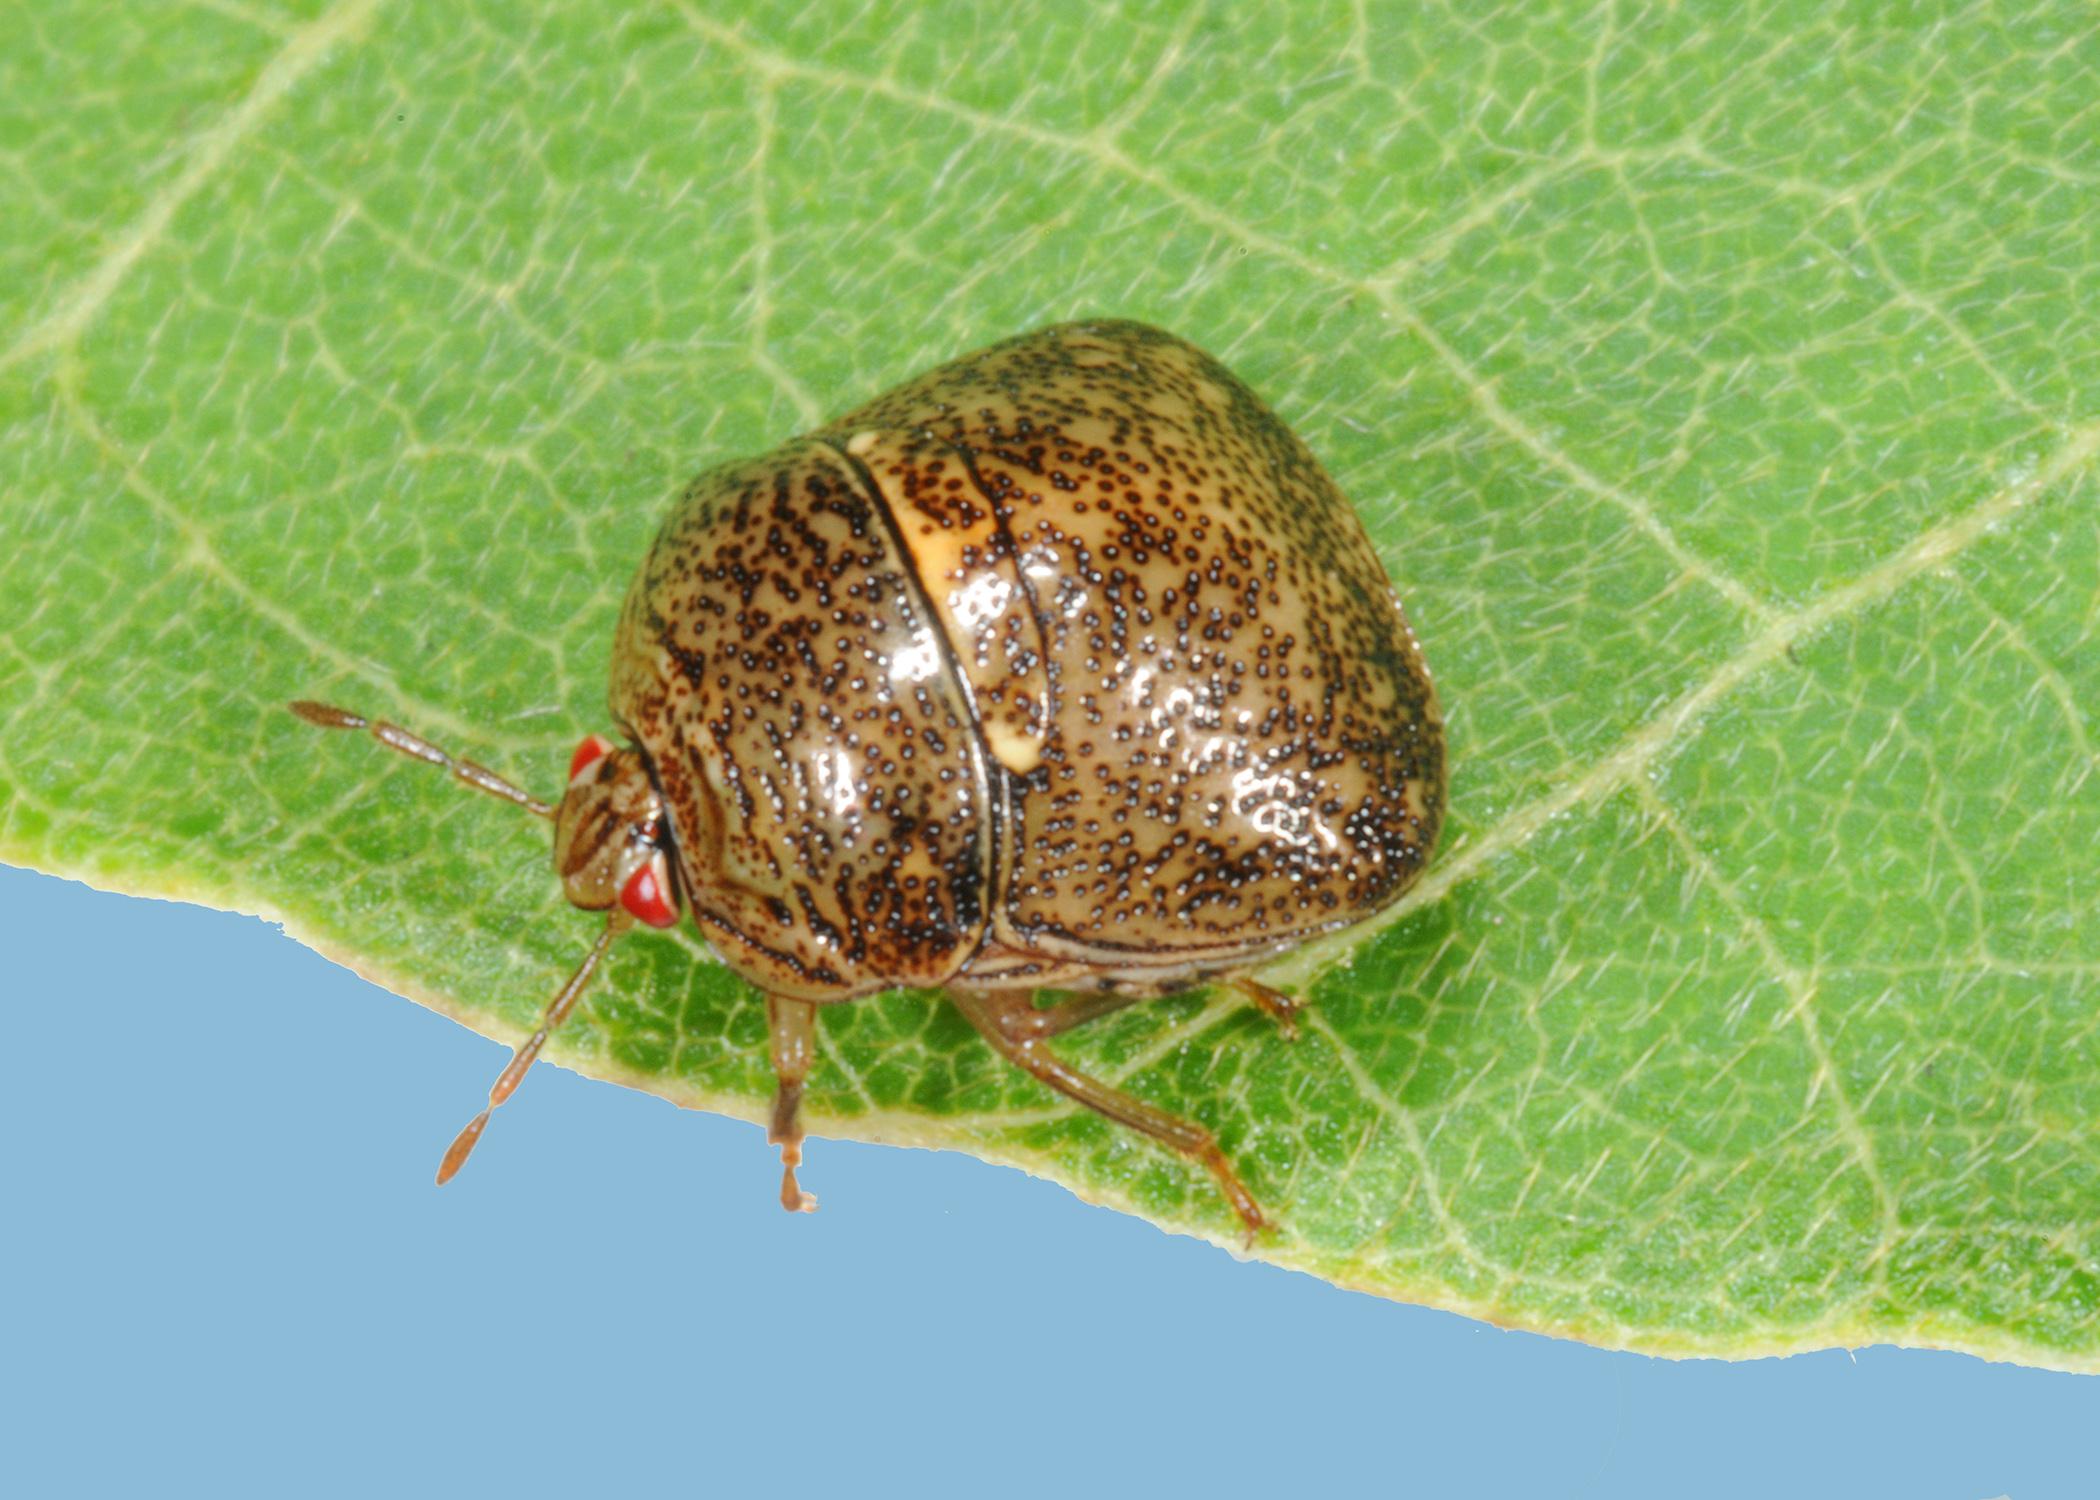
column 228, row 1270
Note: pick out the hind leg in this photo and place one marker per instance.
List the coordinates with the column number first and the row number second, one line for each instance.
column 1009, row 1020
column 1039, row 1023
column 1275, row 1004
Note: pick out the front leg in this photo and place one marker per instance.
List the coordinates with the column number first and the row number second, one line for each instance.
column 794, row 1027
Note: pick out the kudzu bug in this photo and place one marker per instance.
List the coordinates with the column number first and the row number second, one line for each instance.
column 1064, row 666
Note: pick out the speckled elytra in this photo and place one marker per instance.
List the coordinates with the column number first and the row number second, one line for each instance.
column 1063, row 666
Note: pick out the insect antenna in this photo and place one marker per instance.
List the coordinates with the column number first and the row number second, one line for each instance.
column 394, row 737
column 557, row 1011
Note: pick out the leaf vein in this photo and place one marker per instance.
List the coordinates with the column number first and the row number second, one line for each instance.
column 1930, row 550
column 76, row 306
column 1112, row 157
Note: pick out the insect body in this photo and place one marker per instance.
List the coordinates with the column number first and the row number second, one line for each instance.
column 1064, row 666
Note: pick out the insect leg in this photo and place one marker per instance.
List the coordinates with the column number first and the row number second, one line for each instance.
column 556, row 1012
column 1275, row 1004
column 394, row 737
column 794, row 1025
column 1004, row 1019
column 1037, row 1023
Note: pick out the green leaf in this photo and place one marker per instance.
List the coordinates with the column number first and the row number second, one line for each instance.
column 1723, row 389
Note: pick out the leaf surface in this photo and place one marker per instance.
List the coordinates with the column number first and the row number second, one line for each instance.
column 1722, row 389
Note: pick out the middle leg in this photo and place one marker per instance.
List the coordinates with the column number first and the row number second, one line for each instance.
column 794, row 1028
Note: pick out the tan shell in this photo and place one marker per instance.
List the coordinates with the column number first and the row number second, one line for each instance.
column 1064, row 663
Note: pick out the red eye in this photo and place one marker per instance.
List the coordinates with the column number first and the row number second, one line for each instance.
column 646, row 896
column 587, row 754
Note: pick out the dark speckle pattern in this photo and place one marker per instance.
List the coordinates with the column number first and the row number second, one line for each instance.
column 1242, row 740
column 963, row 554
column 819, row 761
column 1158, row 713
